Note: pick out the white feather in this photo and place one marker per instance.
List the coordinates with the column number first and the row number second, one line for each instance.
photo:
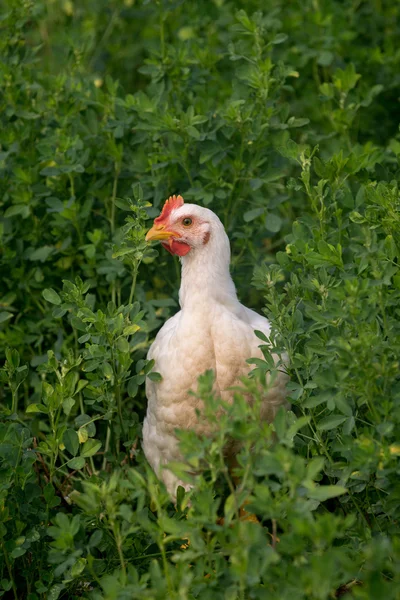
column 211, row 331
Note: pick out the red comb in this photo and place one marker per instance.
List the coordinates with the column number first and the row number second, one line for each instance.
column 169, row 205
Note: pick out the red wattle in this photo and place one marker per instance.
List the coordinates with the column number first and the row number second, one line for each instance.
column 166, row 246
column 175, row 247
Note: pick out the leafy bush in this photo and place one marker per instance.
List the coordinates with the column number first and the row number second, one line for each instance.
column 283, row 118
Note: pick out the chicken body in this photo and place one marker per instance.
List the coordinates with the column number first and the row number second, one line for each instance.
column 213, row 330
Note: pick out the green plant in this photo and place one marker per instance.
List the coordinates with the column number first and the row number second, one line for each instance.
column 282, row 118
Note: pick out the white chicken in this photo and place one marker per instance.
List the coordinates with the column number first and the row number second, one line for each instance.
column 211, row 331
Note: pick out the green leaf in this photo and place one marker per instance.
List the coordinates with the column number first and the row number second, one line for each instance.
column 76, row 463
column 348, row 426
column 68, row 405
column 325, row 58
column 280, row 38
column 295, row 390
column 78, row 567
column 137, row 191
column 261, row 335
column 273, row 222
column 330, row 422
column 55, row 591
column 327, row 89
column 261, row 364
column 107, row 370
column 123, row 251
column 230, row 507
column 17, row 209
column 78, row 324
column 343, row 405
column 85, row 420
column 41, row 254
column 13, row 358
column 297, row 425
column 327, row 255
column 292, row 122
column 50, row 496
column 34, row 408
column 290, row 150
column 17, row 552
column 131, row 329
column 5, row 316
column 324, row 492
column 314, row 401
column 193, row 132
column 133, row 387
column 6, row 585
column 250, row 215
column 123, row 345
column 345, row 80
column 91, row 365
column 83, row 435
column 280, row 423
column 153, row 376
column 256, row 183
column 51, row 296
column 90, row 448
column 123, row 204
column 315, row 466
column 71, row 441
column 84, row 338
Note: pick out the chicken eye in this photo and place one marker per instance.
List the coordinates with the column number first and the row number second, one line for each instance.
column 187, row 222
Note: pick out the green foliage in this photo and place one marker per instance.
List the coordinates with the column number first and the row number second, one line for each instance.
column 283, row 118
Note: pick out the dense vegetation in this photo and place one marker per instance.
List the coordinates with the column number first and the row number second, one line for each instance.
column 283, row 118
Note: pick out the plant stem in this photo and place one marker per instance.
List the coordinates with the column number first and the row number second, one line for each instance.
column 225, row 472
column 118, row 542
column 134, row 277
column 228, row 212
column 166, row 568
column 112, row 218
column 104, row 38
column 106, row 447
column 162, row 36
column 14, row 406
column 119, row 406
column 72, row 185
column 113, row 198
column 9, row 569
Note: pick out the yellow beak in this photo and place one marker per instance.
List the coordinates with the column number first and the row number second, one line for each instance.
column 158, row 232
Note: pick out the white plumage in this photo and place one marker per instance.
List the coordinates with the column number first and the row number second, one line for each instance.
column 213, row 330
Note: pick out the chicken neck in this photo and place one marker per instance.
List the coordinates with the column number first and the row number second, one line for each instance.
column 206, row 279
